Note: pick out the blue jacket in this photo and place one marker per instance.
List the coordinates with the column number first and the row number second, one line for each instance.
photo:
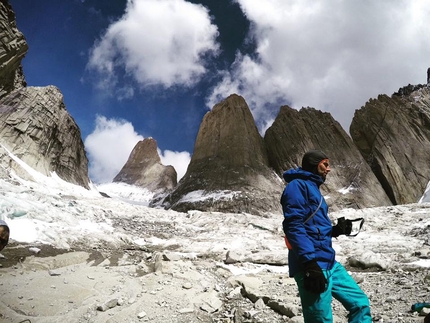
column 311, row 240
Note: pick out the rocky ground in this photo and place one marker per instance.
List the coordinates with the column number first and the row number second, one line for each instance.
column 140, row 264
column 43, row 284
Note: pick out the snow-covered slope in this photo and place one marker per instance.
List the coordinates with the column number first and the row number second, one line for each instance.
column 49, row 211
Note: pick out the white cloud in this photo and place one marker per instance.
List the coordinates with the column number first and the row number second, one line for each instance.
column 332, row 55
column 179, row 160
column 109, row 147
column 156, row 42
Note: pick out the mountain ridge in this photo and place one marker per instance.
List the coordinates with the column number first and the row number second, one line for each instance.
column 230, row 156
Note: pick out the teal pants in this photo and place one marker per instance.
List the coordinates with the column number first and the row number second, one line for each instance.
column 341, row 286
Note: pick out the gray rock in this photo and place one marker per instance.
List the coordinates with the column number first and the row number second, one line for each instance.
column 186, row 310
column 171, row 256
column 54, row 272
column 187, row 285
column 36, row 127
column 286, row 309
column 235, row 293
column 108, row 305
column 34, row 250
column 141, row 315
column 211, row 304
column 158, row 262
column 13, row 48
column 143, row 168
column 229, row 170
column 296, row 319
column 393, row 135
column 232, row 257
column 259, row 304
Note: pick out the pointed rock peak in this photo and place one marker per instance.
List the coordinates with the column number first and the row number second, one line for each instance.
column 233, row 101
column 143, row 168
column 146, row 151
column 229, row 158
column 229, row 136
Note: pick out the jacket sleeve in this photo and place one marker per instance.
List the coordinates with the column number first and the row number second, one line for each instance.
column 296, row 209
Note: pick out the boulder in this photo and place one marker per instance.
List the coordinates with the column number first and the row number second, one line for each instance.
column 350, row 183
column 393, row 136
column 143, row 168
column 229, row 170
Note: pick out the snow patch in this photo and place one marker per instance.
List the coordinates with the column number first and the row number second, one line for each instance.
column 201, row 195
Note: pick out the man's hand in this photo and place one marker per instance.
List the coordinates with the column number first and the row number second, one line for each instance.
column 314, row 279
column 343, row 226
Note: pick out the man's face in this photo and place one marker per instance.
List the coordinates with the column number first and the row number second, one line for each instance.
column 324, row 168
column 4, row 237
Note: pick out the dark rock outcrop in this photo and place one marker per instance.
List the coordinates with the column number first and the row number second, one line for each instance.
column 143, row 168
column 393, row 135
column 229, row 170
column 408, row 89
column 428, row 76
column 350, row 183
column 13, row 48
column 36, row 127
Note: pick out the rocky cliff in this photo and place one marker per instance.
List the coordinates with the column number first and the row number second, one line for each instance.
column 34, row 123
column 36, row 127
column 350, row 183
column 13, row 48
column 393, row 135
column 143, row 168
column 232, row 168
column 229, row 169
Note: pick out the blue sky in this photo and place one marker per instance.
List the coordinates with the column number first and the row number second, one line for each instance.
column 152, row 68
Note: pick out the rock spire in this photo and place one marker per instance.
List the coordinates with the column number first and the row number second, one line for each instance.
column 229, row 170
column 143, row 168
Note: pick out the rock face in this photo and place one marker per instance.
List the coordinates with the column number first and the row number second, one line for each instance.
column 393, row 135
column 36, row 127
column 230, row 160
column 144, row 168
column 350, row 183
column 13, row 48
column 34, row 123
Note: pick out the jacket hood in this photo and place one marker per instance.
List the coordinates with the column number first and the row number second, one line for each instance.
column 299, row 173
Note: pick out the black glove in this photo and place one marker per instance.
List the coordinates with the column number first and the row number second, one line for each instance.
column 343, row 226
column 314, row 279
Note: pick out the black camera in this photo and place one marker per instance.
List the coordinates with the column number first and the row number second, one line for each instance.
column 347, row 227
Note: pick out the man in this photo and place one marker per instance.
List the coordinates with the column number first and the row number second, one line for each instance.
column 311, row 258
column 4, row 234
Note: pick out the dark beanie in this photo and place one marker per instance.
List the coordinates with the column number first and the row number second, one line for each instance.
column 311, row 160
